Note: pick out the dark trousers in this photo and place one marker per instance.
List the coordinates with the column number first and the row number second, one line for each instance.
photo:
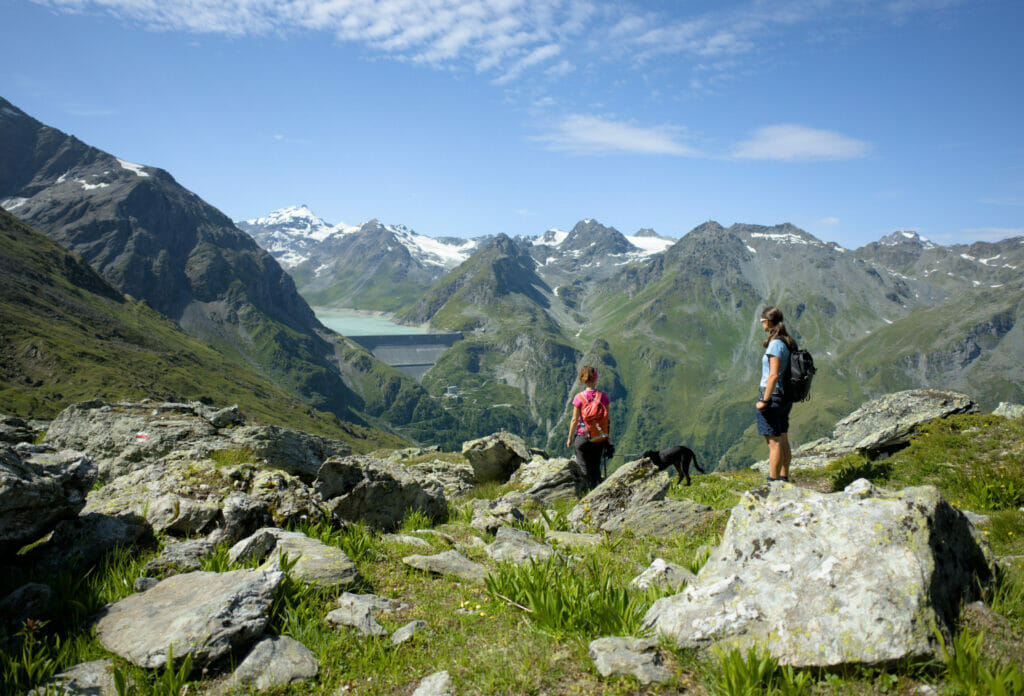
column 588, row 456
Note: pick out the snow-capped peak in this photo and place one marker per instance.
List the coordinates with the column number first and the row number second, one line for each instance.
column 552, row 237
column 904, row 237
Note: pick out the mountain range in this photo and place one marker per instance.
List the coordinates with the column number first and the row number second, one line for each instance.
column 672, row 325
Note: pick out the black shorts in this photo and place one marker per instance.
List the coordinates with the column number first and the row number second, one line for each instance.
column 773, row 421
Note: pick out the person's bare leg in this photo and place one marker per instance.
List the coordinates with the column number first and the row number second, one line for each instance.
column 785, row 456
column 774, row 456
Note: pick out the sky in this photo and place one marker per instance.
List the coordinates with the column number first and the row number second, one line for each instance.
column 848, row 118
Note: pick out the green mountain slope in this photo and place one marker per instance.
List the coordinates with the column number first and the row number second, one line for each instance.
column 68, row 336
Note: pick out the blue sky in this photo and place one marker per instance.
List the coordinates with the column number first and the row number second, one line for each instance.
column 848, row 118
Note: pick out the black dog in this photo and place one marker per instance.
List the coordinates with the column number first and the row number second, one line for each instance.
column 679, row 457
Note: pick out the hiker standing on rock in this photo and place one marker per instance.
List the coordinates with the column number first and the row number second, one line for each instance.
column 772, row 405
column 588, row 432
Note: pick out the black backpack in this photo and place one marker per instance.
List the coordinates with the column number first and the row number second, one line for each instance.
column 796, row 385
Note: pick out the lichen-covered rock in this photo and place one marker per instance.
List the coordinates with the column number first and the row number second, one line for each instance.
column 360, row 611
column 633, row 656
column 630, row 486
column 188, row 493
column 122, row 437
column 273, row 661
column 38, row 489
column 661, row 518
column 377, row 492
column 548, row 480
column 490, row 515
column 314, row 562
column 517, row 547
column 448, row 563
column 95, row 678
column 127, row 436
column 205, row 615
column 495, row 457
column 880, row 425
column 857, row 577
column 453, row 478
column 179, row 557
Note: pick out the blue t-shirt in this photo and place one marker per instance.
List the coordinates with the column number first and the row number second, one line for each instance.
column 780, row 350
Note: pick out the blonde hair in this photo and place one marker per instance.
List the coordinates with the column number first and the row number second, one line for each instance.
column 588, row 375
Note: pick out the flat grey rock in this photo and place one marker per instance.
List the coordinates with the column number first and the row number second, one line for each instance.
column 518, row 547
column 448, row 563
column 437, row 684
column 205, row 615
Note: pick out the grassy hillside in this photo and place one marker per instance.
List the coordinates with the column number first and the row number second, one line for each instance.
column 527, row 630
column 68, row 336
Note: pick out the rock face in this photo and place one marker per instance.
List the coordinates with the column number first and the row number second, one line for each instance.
column 631, row 486
column 859, row 576
column 14, row 430
column 201, row 614
column 879, row 426
column 376, row 491
column 496, row 457
column 37, row 490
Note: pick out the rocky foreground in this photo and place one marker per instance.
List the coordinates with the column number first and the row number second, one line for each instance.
column 859, row 577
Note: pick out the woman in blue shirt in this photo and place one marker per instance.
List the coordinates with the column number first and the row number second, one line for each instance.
column 772, row 405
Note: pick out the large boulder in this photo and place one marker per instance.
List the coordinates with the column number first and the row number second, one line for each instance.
column 857, row 577
column 293, row 451
column 187, row 493
column 1009, row 410
column 377, row 491
column 880, row 426
column 202, row 614
column 548, row 480
column 632, row 485
column 496, row 457
column 454, row 478
column 127, row 436
column 122, row 437
column 38, row 489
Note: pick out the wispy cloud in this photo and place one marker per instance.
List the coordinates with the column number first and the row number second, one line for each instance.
column 793, row 142
column 828, row 221
column 510, row 37
column 586, row 134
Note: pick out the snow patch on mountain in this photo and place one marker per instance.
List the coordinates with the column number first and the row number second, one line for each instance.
column 650, row 245
column 132, row 167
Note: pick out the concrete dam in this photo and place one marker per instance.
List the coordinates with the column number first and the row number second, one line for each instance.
column 413, row 354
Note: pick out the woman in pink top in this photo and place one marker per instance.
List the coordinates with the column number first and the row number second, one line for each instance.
column 588, row 453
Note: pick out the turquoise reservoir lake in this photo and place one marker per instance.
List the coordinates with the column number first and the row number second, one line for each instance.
column 350, row 323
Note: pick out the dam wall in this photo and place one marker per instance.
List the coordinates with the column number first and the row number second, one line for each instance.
column 413, row 354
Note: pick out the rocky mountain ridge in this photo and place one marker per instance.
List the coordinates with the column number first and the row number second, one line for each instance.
column 156, row 241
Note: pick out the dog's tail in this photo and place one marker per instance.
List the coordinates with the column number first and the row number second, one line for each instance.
column 697, row 466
